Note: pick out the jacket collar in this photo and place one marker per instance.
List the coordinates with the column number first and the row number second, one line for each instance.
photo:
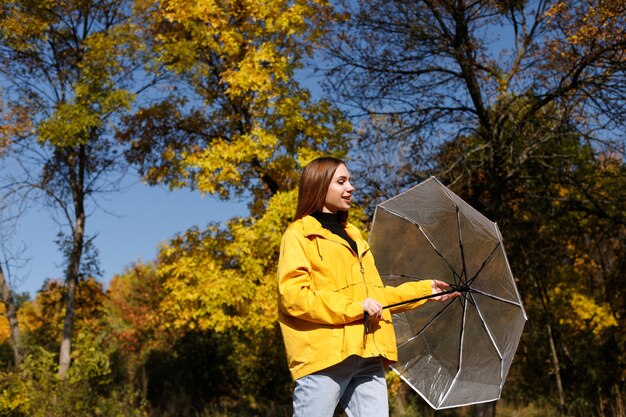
column 312, row 227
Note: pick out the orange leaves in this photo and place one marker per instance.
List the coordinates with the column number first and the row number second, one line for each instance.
column 15, row 122
column 133, row 308
column 43, row 317
column 589, row 24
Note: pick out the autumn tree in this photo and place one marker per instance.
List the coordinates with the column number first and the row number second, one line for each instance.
column 563, row 243
column 69, row 65
column 34, row 389
column 136, row 324
column 11, row 209
column 13, row 126
column 431, row 72
column 133, row 301
column 236, row 124
column 42, row 317
column 10, row 312
column 501, row 100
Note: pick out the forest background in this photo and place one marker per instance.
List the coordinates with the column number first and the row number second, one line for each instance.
column 517, row 105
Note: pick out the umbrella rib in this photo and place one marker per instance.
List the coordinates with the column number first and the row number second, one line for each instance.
column 446, row 191
column 495, row 345
column 485, row 262
column 425, row 235
column 427, row 325
column 461, row 345
column 488, row 330
column 495, row 297
column 458, row 225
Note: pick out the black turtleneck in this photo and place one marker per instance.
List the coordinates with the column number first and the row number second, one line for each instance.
column 330, row 222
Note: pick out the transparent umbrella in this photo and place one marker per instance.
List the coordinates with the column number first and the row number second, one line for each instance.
column 458, row 352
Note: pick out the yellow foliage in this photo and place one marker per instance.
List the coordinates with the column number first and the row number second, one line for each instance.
column 223, row 280
column 96, row 97
column 222, row 161
column 255, row 129
column 20, row 28
column 581, row 312
column 247, row 36
column 394, row 385
column 82, row 70
column 45, row 311
column 5, row 332
column 70, row 124
column 254, row 122
column 42, row 317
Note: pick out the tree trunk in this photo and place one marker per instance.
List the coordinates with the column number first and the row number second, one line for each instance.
column 11, row 314
column 72, row 276
column 557, row 366
column 76, row 164
column 551, row 340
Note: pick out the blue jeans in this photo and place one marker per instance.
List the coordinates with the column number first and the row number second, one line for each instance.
column 358, row 384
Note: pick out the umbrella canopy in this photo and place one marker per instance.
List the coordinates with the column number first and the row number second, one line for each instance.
column 458, row 352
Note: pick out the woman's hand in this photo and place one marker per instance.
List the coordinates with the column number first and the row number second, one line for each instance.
column 373, row 308
column 440, row 286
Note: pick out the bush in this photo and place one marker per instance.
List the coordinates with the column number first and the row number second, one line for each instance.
column 35, row 390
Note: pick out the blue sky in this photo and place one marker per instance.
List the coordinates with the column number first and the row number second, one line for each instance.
column 143, row 217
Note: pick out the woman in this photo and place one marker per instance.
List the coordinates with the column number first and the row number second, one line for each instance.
column 327, row 281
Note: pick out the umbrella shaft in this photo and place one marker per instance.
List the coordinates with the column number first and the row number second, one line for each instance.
column 426, row 297
column 366, row 316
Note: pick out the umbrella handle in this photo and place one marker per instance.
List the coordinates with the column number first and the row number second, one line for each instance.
column 366, row 323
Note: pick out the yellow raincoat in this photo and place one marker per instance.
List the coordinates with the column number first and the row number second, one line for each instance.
column 321, row 284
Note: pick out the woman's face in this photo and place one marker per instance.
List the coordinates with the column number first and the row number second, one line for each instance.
column 339, row 191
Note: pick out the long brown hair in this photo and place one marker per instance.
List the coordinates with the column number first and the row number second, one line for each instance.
column 314, row 182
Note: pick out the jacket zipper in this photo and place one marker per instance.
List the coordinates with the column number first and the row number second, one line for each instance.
column 362, row 269
column 319, row 251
